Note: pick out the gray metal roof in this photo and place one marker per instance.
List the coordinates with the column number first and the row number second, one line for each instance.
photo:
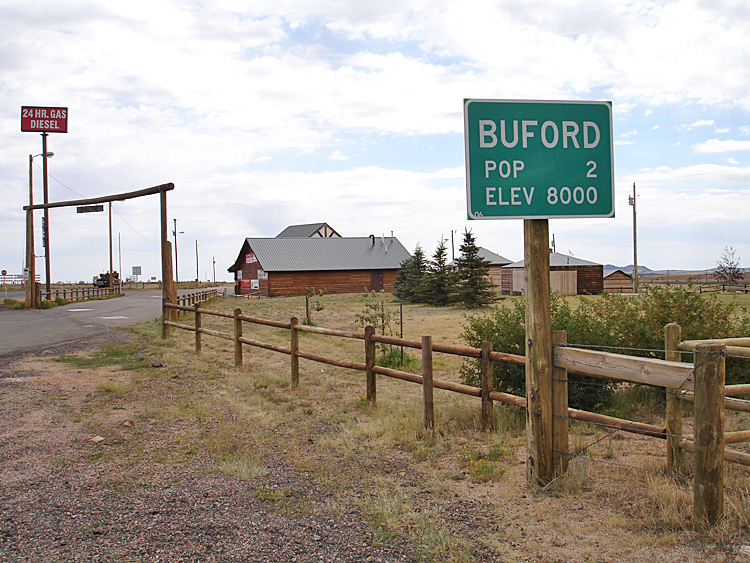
column 494, row 259
column 325, row 254
column 557, row 260
column 300, row 230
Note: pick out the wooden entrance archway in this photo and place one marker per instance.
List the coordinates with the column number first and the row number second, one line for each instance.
column 169, row 290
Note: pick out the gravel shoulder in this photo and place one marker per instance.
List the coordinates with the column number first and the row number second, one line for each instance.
column 91, row 469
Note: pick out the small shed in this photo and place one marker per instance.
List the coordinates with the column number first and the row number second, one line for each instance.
column 568, row 276
column 290, row 265
column 497, row 263
column 618, row 281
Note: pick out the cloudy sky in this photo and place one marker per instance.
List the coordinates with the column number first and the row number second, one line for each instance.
column 266, row 114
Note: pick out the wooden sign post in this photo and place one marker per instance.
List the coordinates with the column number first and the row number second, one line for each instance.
column 539, row 466
column 532, row 160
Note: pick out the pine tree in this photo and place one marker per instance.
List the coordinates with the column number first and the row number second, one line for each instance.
column 475, row 287
column 410, row 277
column 440, row 282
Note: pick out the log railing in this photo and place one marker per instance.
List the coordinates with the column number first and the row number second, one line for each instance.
column 79, row 293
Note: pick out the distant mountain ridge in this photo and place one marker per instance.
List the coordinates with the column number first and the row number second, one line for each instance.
column 644, row 271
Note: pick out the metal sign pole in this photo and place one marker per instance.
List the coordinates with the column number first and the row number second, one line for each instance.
column 45, row 233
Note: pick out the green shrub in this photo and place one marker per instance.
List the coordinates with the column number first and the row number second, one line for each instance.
column 505, row 328
column 13, row 304
column 632, row 325
column 391, row 358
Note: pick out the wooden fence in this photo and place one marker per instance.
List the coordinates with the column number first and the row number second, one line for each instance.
column 701, row 382
column 79, row 293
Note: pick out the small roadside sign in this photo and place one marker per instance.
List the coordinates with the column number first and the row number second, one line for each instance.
column 538, row 159
column 89, row 208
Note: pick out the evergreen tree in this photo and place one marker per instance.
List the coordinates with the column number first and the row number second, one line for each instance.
column 440, row 282
column 475, row 287
column 411, row 276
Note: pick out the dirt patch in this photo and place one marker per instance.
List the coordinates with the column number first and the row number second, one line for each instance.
column 62, row 499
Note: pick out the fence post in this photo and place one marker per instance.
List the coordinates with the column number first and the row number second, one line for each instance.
column 294, row 347
column 488, row 384
column 237, row 336
column 372, row 391
column 708, row 453
column 675, row 455
column 164, row 325
column 560, row 456
column 197, row 329
column 429, row 407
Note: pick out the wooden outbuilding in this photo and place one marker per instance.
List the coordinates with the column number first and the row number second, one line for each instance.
column 618, row 281
column 497, row 263
column 290, row 265
column 568, row 276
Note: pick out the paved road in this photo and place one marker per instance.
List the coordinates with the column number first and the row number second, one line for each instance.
column 35, row 329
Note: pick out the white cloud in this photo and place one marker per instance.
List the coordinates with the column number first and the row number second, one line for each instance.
column 716, row 145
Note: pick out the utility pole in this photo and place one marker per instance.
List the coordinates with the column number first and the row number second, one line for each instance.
column 214, row 259
column 111, row 272
column 176, row 269
column 30, row 257
column 631, row 201
column 197, row 276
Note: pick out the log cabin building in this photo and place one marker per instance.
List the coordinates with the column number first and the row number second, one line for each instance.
column 289, row 265
column 618, row 281
column 568, row 276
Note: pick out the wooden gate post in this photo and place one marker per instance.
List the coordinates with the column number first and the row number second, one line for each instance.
column 427, row 398
column 560, row 457
column 164, row 318
column 488, row 384
column 539, row 466
column 237, row 336
column 372, row 393
column 294, row 348
column 708, row 453
column 198, row 347
column 675, row 455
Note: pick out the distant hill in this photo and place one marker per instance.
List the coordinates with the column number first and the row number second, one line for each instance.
column 642, row 270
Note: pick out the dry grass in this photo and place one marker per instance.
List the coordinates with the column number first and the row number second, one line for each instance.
column 454, row 493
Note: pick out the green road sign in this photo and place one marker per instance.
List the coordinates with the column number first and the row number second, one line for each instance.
column 538, row 159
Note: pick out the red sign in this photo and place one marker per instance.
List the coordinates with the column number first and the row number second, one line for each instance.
column 44, row 120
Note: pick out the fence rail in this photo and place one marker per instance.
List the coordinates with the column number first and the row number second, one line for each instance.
column 644, row 371
column 79, row 293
